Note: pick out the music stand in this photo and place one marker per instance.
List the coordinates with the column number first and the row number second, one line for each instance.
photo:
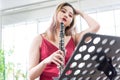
column 97, row 57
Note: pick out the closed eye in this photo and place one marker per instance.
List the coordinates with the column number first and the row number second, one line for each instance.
column 63, row 11
column 70, row 15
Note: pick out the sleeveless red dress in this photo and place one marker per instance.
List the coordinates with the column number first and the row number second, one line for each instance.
column 46, row 49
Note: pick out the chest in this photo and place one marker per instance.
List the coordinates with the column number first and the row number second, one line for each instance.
column 47, row 48
column 64, row 42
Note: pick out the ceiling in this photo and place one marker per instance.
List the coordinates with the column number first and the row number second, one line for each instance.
column 8, row 4
column 27, row 5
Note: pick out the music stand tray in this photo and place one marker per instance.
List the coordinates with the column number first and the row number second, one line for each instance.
column 97, row 57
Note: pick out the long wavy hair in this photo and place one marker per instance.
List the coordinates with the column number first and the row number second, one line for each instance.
column 69, row 30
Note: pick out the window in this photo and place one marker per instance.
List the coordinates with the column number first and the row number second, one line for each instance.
column 43, row 26
column 107, row 22
column 117, row 21
column 16, row 42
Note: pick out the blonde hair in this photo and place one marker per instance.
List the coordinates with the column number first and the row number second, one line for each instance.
column 69, row 30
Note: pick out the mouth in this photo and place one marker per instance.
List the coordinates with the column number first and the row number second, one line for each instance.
column 64, row 19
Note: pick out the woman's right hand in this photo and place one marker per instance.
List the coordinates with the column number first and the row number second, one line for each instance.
column 57, row 57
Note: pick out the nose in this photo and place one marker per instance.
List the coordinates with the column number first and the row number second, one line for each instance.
column 66, row 15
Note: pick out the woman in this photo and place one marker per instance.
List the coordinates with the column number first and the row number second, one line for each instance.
column 45, row 55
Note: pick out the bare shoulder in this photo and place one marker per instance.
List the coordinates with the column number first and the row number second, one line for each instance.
column 77, row 37
column 37, row 41
column 38, row 38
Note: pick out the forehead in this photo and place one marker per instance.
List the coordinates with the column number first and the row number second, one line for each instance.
column 68, row 8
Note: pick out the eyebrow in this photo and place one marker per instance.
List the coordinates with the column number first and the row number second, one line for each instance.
column 66, row 10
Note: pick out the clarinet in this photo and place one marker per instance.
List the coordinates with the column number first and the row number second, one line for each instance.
column 61, row 45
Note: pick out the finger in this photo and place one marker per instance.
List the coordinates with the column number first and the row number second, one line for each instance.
column 60, row 57
column 56, row 62
column 59, row 60
column 62, row 53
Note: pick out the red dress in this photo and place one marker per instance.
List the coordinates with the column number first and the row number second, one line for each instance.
column 46, row 49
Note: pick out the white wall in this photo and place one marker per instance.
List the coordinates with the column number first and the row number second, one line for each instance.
column 0, row 29
column 6, row 4
column 14, row 11
column 0, row 4
column 24, row 11
column 98, row 4
column 31, row 12
column 0, row 25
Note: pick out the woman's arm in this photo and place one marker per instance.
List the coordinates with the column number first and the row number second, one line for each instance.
column 35, row 68
column 93, row 25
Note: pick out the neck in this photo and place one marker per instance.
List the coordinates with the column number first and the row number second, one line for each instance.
column 53, row 35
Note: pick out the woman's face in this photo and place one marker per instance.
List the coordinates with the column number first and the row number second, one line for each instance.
column 65, row 15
